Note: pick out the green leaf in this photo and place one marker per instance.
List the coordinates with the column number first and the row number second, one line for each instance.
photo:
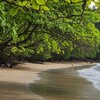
column 68, row 1
column 21, row 9
column 13, row 11
column 35, row 5
column 76, row 0
column 45, row 8
column 41, row 2
column 14, row 50
column 56, row 0
column 89, row 2
column 23, row 3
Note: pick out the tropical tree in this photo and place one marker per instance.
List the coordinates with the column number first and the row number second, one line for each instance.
column 47, row 27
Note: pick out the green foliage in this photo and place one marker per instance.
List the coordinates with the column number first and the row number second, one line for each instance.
column 49, row 28
column 13, row 11
column 41, row 2
column 56, row 0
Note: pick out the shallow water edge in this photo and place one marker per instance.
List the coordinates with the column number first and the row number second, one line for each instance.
column 64, row 84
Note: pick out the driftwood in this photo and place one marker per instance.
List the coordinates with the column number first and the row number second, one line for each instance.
column 8, row 65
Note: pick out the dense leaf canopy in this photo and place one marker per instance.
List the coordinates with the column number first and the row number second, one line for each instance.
column 46, row 29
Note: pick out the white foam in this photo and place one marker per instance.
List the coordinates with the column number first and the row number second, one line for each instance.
column 92, row 75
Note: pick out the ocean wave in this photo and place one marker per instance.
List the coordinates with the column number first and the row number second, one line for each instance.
column 92, row 74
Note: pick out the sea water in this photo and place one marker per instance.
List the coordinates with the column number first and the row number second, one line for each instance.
column 92, row 74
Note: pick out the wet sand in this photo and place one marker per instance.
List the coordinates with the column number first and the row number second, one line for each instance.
column 14, row 83
column 15, row 91
column 64, row 84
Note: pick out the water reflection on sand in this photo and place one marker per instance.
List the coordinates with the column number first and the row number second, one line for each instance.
column 64, row 84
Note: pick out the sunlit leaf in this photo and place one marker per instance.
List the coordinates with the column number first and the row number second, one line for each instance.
column 45, row 8
column 22, row 3
column 13, row 11
column 41, row 2
column 56, row 0
column 35, row 5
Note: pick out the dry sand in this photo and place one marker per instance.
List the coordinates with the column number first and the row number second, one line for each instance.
column 14, row 82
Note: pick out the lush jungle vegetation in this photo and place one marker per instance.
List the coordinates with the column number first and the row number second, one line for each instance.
column 49, row 30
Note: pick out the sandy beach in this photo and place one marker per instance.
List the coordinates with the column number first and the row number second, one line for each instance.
column 14, row 82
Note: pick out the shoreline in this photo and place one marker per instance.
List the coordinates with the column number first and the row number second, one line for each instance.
column 30, row 71
column 92, row 75
column 63, row 83
column 20, row 76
